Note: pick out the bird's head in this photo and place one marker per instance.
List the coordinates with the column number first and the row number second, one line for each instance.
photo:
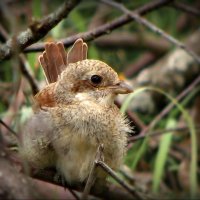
column 89, row 80
column 71, row 77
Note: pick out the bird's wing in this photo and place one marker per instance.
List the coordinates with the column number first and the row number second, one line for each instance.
column 45, row 97
column 36, row 141
column 55, row 59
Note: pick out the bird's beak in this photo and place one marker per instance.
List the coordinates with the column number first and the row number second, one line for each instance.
column 122, row 88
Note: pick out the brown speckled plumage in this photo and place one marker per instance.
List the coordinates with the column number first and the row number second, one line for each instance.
column 78, row 116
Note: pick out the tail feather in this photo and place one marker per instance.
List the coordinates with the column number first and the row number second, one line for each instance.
column 55, row 59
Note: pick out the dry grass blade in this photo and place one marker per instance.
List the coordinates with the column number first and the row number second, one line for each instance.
column 92, row 175
column 107, row 169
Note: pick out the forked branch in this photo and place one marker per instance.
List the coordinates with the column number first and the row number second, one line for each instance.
column 36, row 31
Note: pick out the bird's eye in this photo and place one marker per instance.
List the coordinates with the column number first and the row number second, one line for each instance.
column 96, row 79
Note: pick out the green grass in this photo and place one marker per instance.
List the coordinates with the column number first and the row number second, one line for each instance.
column 194, row 149
column 161, row 157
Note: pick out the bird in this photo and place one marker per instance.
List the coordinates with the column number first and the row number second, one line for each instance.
column 74, row 114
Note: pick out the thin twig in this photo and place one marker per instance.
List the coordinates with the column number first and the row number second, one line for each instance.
column 25, row 69
column 133, row 117
column 106, row 191
column 3, row 33
column 142, row 61
column 92, row 174
column 152, row 27
column 74, row 194
column 107, row 169
column 37, row 30
column 7, row 127
column 142, row 40
column 23, row 65
column 105, row 28
column 169, row 107
column 160, row 132
column 185, row 8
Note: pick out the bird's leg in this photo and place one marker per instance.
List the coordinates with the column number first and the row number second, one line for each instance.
column 60, row 179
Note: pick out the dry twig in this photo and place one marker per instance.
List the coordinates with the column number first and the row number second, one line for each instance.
column 160, row 132
column 185, row 8
column 23, row 65
column 134, row 16
column 107, row 192
column 144, row 60
column 37, row 30
column 132, row 116
column 25, row 69
column 168, row 108
column 92, row 174
column 7, row 127
column 140, row 40
column 107, row 169
column 103, row 29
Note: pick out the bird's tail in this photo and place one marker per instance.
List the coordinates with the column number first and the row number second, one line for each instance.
column 55, row 59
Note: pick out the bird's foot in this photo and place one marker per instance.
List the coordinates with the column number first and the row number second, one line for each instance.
column 60, row 179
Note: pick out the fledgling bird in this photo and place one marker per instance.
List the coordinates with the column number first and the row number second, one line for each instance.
column 74, row 114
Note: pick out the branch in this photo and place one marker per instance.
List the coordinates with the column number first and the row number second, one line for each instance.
column 107, row 169
column 104, row 29
column 171, row 73
column 135, row 16
column 23, row 65
column 132, row 116
column 169, row 107
column 185, row 8
column 3, row 33
column 25, row 69
column 138, row 65
column 106, row 192
column 139, row 40
column 15, row 185
column 7, row 127
column 160, row 132
column 92, row 174
column 36, row 31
